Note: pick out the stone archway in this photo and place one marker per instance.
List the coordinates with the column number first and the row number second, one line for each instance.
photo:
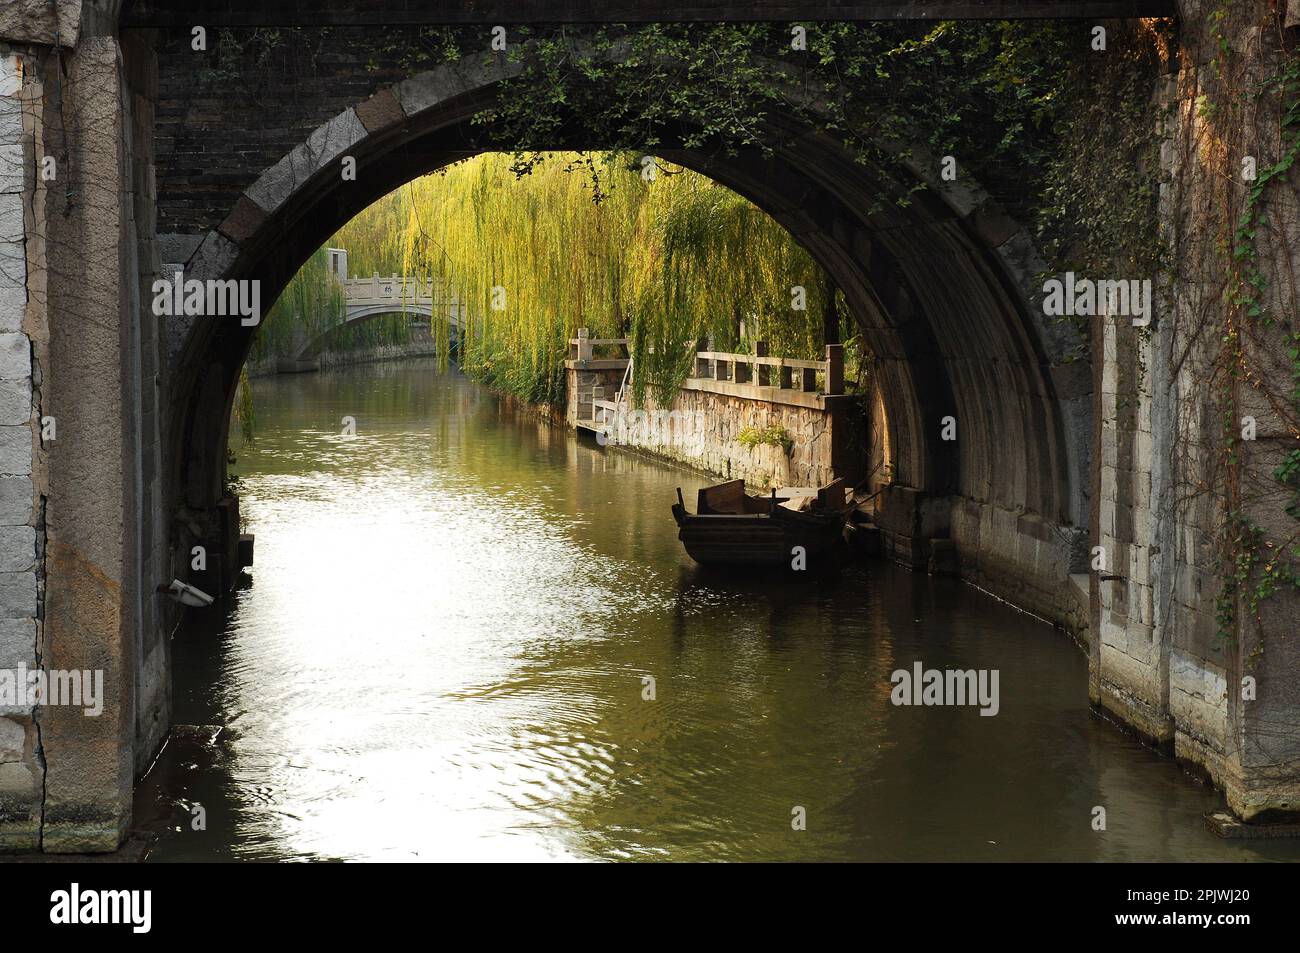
column 939, row 289
column 305, row 351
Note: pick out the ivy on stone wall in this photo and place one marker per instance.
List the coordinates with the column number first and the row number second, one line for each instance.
column 988, row 94
column 1097, row 214
column 1059, row 135
column 1062, row 136
column 1259, row 309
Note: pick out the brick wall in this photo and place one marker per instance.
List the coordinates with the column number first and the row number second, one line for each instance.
column 223, row 117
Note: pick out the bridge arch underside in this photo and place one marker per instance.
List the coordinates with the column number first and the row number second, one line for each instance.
column 939, row 289
column 312, row 348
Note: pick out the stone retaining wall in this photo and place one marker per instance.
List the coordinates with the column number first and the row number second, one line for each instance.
column 701, row 429
column 420, row 345
column 21, row 517
column 1218, row 690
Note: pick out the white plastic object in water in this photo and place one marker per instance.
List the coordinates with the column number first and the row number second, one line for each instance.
column 188, row 595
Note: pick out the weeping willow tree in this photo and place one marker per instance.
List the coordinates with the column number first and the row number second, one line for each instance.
column 311, row 304
column 712, row 263
column 660, row 255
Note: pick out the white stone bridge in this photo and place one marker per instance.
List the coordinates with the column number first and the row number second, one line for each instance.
column 369, row 298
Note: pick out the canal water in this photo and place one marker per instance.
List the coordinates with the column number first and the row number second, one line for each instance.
column 444, row 652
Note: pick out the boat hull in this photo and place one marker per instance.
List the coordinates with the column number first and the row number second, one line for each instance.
column 758, row 539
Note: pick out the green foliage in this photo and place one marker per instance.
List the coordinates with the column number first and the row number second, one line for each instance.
column 658, row 262
column 422, row 48
column 1247, row 289
column 1254, row 568
column 1288, row 474
column 773, row 436
column 309, row 305
column 257, row 60
column 987, row 92
column 244, row 411
column 1097, row 213
column 312, row 306
column 1055, row 132
column 1236, row 571
column 584, row 240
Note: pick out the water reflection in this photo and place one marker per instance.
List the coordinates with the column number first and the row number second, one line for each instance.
column 443, row 648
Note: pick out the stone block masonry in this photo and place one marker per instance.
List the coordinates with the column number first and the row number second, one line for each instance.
column 704, row 429
column 70, row 574
column 701, row 429
column 21, row 763
column 1177, row 655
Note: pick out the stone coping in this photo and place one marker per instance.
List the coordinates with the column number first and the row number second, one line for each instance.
column 773, row 395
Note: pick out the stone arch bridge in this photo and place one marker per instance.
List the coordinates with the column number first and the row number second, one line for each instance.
column 239, row 179
column 368, row 298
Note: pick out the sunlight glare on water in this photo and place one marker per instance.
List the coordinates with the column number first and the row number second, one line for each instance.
column 441, row 652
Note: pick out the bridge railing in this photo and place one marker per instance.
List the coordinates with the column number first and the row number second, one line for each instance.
column 395, row 287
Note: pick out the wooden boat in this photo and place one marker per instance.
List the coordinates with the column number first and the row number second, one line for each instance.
column 730, row 527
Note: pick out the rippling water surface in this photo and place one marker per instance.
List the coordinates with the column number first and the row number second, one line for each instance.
column 443, row 648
